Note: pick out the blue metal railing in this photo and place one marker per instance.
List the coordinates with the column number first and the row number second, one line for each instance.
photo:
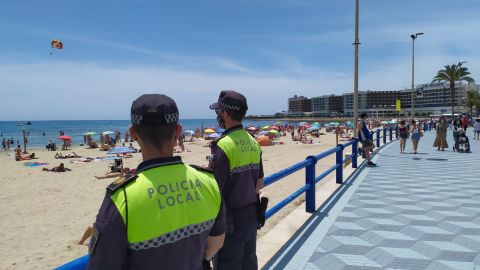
column 310, row 180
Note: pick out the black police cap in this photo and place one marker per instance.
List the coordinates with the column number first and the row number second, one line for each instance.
column 230, row 100
column 154, row 110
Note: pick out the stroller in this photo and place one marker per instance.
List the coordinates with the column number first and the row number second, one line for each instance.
column 462, row 144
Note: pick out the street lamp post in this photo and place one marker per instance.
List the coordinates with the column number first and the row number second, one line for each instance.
column 415, row 36
column 453, row 94
column 355, row 75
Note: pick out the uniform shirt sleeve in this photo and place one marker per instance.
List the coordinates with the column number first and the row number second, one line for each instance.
column 221, row 167
column 108, row 245
column 219, row 227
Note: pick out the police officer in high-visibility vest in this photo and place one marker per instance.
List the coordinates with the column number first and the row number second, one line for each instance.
column 237, row 165
column 169, row 215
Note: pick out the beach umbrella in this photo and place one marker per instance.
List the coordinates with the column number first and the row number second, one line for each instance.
column 252, row 128
column 220, row 130
column 265, row 127
column 275, row 127
column 278, row 123
column 334, row 124
column 189, row 131
column 314, row 128
column 120, row 150
column 302, row 123
column 209, row 130
column 385, row 122
column 107, row 133
column 263, row 140
column 64, row 137
column 264, row 132
column 89, row 133
column 394, row 121
column 316, row 123
column 213, row 135
column 273, row 131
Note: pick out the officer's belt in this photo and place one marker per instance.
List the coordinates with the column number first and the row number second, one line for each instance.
column 243, row 211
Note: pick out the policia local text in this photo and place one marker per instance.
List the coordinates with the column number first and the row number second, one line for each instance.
column 181, row 192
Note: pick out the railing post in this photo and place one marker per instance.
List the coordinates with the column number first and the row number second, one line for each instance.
column 384, row 135
column 378, row 137
column 340, row 164
column 391, row 133
column 396, row 132
column 354, row 152
column 310, row 180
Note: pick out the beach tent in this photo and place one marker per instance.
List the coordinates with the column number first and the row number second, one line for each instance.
column 263, row 140
column 213, row 135
column 120, row 150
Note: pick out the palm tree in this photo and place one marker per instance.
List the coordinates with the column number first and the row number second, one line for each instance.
column 473, row 98
column 451, row 74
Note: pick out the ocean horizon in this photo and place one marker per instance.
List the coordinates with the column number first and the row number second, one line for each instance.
column 41, row 131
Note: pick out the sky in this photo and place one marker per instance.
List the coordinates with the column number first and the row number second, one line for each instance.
column 269, row 50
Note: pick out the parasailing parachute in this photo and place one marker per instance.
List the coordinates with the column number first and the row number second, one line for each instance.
column 57, row 44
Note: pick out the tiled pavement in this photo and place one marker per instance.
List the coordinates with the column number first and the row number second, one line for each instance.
column 411, row 212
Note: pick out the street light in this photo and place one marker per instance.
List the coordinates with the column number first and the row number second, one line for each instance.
column 355, row 75
column 454, row 98
column 413, row 69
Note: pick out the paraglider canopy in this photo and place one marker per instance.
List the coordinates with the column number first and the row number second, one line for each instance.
column 56, row 44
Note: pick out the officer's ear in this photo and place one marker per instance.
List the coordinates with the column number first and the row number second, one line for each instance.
column 133, row 132
column 178, row 131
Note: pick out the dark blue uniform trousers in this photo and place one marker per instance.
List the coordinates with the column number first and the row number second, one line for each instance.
column 239, row 250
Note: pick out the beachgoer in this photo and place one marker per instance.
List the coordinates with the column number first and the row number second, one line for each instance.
column 365, row 139
column 465, row 122
column 403, row 135
column 112, row 174
column 441, row 136
column 416, row 132
column 134, row 232
column 69, row 155
column 476, row 129
column 237, row 165
column 4, row 144
column 59, row 168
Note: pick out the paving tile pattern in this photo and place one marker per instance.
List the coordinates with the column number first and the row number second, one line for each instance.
column 411, row 212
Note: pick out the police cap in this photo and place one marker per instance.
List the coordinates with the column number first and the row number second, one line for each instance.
column 230, row 100
column 154, row 110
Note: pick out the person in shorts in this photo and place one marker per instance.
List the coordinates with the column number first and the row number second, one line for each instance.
column 365, row 139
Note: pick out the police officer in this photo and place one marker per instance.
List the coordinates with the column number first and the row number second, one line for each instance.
column 237, row 165
column 168, row 215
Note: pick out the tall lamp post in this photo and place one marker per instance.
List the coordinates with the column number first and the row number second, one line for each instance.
column 355, row 75
column 453, row 95
column 415, row 36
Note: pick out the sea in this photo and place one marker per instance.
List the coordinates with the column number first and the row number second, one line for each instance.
column 40, row 132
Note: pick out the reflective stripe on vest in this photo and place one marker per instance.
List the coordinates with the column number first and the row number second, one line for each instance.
column 242, row 150
column 167, row 204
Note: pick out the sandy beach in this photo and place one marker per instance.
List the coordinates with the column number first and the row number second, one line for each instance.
column 44, row 214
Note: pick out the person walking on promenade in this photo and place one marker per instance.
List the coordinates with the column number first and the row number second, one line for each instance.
column 365, row 139
column 237, row 165
column 416, row 133
column 403, row 135
column 441, row 138
column 476, row 129
column 168, row 215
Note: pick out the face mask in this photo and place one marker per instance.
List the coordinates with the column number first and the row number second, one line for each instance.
column 220, row 121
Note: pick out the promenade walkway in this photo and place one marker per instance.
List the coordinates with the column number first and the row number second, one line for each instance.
column 411, row 212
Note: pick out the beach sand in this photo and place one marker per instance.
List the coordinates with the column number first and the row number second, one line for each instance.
column 44, row 214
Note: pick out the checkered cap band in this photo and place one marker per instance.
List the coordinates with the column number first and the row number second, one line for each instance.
column 136, row 119
column 168, row 118
column 174, row 236
column 230, row 107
